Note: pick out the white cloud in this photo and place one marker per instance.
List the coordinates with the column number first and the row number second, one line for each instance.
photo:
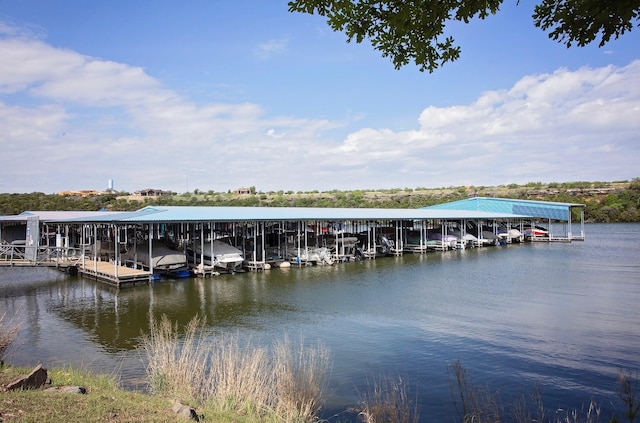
column 90, row 120
column 546, row 127
column 271, row 48
column 274, row 134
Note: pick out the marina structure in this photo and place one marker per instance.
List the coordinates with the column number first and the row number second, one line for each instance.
column 175, row 241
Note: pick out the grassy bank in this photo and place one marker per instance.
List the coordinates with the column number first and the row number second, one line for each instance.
column 103, row 402
column 223, row 378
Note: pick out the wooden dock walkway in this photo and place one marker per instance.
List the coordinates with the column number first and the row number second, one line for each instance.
column 99, row 270
column 112, row 273
column 555, row 238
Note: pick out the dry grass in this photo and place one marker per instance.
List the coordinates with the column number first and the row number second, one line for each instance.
column 300, row 377
column 175, row 370
column 388, row 402
column 240, row 377
column 629, row 393
column 8, row 334
column 286, row 384
column 473, row 403
column 476, row 404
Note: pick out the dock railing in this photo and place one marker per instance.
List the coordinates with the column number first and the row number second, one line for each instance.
column 16, row 255
column 10, row 253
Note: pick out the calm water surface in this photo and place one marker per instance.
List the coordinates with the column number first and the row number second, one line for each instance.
column 560, row 317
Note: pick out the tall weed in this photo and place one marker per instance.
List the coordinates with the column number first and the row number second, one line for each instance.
column 477, row 404
column 629, row 393
column 300, row 378
column 8, row 334
column 388, row 402
column 286, row 384
column 176, row 367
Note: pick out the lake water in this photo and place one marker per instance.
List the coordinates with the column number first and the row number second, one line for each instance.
column 560, row 317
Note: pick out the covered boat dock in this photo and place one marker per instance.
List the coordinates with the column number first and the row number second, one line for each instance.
column 558, row 218
column 108, row 246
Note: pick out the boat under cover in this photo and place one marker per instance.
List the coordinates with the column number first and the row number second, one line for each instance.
column 163, row 260
column 224, row 257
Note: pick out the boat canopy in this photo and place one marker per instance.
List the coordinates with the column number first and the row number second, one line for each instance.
column 524, row 208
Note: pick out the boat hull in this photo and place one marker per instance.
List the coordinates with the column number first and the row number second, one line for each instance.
column 163, row 260
column 225, row 257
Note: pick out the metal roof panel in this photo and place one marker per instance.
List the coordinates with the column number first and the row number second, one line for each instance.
column 226, row 214
column 529, row 208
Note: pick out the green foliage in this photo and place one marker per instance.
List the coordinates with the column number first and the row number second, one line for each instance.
column 415, row 30
column 402, row 30
column 37, row 201
column 581, row 22
column 104, row 401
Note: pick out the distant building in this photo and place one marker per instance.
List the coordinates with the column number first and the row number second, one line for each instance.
column 150, row 192
column 243, row 190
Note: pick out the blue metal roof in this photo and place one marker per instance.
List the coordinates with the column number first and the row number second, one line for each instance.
column 47, row 216
column 472, row 208
column 251, row 214
column 541, row 209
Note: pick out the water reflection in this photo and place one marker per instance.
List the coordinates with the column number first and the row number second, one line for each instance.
column 559, row 316
column 117, row 318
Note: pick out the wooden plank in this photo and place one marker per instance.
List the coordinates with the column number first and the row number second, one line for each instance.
column 107, row 272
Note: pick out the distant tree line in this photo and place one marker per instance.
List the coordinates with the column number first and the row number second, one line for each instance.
column 604, row 201
column 11, row 204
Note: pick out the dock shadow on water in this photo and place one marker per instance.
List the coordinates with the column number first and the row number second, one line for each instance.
column 556, row 319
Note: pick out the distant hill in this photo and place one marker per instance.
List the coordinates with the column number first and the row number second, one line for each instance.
column 617, row 201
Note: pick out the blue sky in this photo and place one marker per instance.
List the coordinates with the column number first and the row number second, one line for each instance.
column 224, row 94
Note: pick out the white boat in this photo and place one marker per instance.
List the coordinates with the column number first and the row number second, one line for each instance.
column 510, row 235
column 343, row 246
column 467, row 239
column 164, row 260
column 225, row 256
column 415, row 243
column 312, row 255
column 448, row 241
column 379, row 246
column 485, row 236
column 535, row 231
